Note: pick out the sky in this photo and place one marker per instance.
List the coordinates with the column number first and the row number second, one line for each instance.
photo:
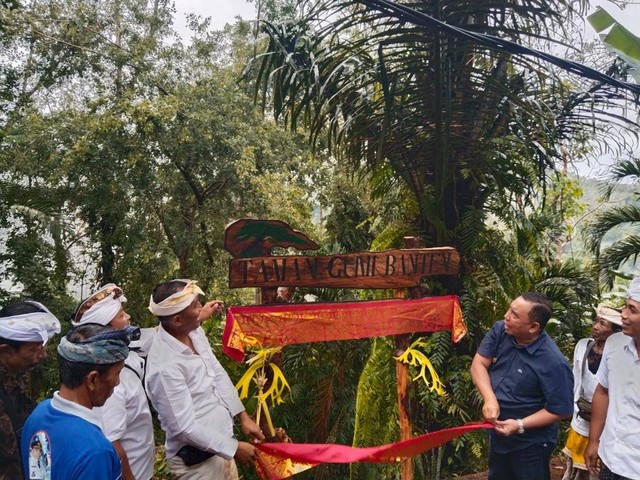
column 220, row 11
column 223, row 11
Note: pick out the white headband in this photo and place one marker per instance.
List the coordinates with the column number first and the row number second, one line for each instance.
column 609, row 314
column 104, row 309
column 176, row 302
column 633, row 292
column 30, row 327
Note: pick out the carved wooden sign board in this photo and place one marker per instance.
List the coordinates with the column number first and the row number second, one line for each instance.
column 250, row 242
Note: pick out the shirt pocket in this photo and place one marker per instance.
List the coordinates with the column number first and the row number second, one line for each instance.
column 525, row 383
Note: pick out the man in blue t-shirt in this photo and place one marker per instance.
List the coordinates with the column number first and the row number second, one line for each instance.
column 62, row 438
column 527, row 387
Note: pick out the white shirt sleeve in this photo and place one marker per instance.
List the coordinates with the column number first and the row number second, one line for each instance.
column 113, row 414
column 602, row 375
column 226, row 389
column 578, row 357
column 173, row 402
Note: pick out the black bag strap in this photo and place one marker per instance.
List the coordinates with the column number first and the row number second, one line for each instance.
column 133, row 370
column 142, row 379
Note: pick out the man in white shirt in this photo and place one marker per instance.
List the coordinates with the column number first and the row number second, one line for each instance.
column 614, row 435
column 193, row 395
column 125, row 417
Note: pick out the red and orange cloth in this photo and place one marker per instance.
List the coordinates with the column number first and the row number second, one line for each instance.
column 279, row 325
column 277, row 461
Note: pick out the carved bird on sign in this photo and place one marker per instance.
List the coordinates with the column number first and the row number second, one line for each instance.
column 250, row 237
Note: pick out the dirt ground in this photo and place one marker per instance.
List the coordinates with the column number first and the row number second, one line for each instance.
column 557, row 470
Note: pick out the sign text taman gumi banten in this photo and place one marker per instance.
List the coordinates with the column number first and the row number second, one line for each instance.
column 388, row 269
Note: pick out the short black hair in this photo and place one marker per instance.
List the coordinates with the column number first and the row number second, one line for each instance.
column 541, row 310
column 164, row 290
column 17, row 308
column 72, row 374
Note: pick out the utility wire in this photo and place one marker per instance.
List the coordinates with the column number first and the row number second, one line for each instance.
column 408, row 14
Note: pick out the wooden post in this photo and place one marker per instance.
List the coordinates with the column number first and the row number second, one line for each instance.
column 267, row 296
column 401, row 342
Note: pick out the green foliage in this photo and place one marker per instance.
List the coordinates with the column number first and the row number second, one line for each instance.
column 124, row 153
column 625, row 246
column 376, row 409
column 156, row 150
column 459, row 126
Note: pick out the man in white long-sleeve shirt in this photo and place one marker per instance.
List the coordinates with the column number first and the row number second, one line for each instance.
column 125, row 416
column 193, row 395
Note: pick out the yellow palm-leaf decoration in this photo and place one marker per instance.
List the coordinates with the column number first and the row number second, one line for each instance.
column 415, row 357
column 260, row 360
column 244, row 383
column 277, row 388
column 256, row 373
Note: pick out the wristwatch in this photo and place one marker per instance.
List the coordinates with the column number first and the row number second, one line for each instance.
column 520, row 426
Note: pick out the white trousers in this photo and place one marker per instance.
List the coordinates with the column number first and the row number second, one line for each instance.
column 214, row 468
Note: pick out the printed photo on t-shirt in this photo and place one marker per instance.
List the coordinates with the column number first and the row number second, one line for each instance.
column 39, row 457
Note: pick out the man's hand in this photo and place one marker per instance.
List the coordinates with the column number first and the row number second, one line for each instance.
column 506, row 427
column 250, row 428
column 480, row 376
column 591, row 457
column 246, row 453
column 209, row 309
column 491, row 411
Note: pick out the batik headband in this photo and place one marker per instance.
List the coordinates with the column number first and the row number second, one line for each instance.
column 176, row 302
column 101, row 307
column 106, row 348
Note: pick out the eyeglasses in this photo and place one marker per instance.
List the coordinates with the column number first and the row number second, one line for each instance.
column 95, row 298
column 127, row 335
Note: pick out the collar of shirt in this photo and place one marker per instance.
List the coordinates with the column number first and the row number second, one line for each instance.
column 631, row 348
column 73, row 408
column 174, row 343
column 532, row 347
column 199, row 340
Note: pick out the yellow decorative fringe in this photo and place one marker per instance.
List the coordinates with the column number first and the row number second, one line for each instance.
column 257, row 373
column 415, row 357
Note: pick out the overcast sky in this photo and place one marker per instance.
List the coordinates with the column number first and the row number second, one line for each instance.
column 220, row 11
column 223, row 11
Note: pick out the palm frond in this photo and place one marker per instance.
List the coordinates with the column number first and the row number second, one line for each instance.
column 611, row 258
column 606, row 221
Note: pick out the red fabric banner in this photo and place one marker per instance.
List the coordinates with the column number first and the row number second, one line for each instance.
column 279, row 325
column 281, row 460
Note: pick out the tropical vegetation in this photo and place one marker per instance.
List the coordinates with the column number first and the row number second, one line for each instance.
column 125, row 150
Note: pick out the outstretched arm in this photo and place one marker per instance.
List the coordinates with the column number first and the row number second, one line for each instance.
column 480, row 375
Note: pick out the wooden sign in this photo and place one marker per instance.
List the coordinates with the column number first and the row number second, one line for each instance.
column 250, row 237
column 387, row 269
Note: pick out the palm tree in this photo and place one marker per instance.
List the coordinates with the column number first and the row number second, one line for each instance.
column 627, row 246
column 458, row 124
column 467, row 131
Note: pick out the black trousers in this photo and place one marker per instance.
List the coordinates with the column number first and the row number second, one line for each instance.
column 606, row 474
column 530, row 463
